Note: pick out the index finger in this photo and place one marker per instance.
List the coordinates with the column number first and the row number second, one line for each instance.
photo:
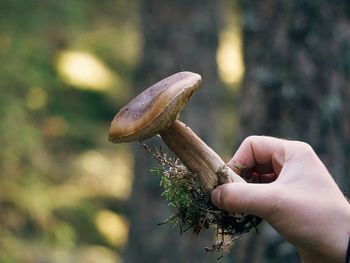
column 264, row 154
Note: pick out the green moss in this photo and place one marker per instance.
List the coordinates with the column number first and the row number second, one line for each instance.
column 194, row 210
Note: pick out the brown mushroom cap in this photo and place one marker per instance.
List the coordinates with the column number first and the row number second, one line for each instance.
column 155, row 109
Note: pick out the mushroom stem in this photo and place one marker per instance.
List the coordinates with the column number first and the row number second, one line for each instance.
column 199, row 158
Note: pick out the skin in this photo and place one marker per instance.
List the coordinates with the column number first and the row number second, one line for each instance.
column 295, row 194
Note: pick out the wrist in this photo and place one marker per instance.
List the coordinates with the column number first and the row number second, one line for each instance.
column 334, row 244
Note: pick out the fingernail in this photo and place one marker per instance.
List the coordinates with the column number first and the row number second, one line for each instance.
column 216, row 197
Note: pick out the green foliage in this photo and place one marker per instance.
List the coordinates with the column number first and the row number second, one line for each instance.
column 46, row 125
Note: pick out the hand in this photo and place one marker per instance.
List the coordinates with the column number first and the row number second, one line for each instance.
column 297, row 196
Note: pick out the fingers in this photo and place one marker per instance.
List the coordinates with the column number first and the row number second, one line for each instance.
column 263, row 157
column 265, row 154
column 261, row 178
column 257, row 199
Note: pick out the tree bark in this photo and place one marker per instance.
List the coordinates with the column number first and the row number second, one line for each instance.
column 296, row 83
column 178, row 35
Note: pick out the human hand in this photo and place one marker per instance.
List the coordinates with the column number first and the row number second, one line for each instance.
column 297, row 196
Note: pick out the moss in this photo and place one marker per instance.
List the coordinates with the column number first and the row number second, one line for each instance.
column 194, row 209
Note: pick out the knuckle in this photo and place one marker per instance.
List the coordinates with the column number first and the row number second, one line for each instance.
column 276, row 199
column 305, row 147
column 251, row 139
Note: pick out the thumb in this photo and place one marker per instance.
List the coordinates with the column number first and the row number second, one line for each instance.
column 256, row 199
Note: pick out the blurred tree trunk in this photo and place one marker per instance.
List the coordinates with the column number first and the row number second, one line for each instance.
column 297, row 86
column 178, row 35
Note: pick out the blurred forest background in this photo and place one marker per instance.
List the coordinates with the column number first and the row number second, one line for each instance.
column 270, row 67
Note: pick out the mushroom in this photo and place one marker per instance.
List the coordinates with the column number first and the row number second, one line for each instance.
column 155, row 111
